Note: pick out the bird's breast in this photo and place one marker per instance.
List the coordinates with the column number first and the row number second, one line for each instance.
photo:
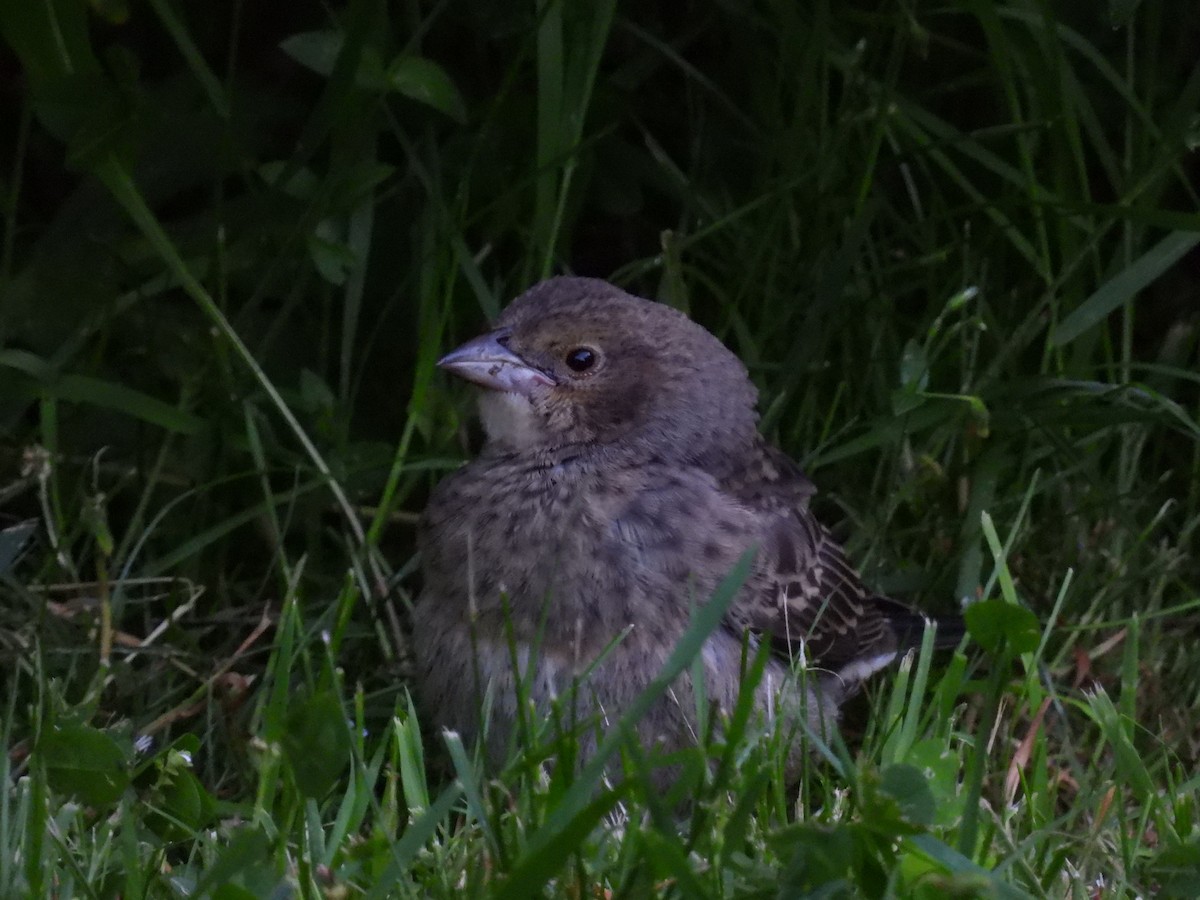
column 529, row 544
column 575, row 551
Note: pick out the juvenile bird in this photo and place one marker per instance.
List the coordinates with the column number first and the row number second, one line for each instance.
column 621, row 479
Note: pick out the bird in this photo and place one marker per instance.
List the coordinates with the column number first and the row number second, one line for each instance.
column 621, row 477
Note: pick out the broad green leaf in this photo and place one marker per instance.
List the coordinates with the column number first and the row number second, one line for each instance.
column 994, row 624
column 415, row 77
column 968, row 874
column 247, row 847
column 819, row 859
column 315, row 50
column 426, row 82
column 1177, row 868
column 182, row 805
column 84, row 762
column 234, row 892
column 317, row 743
column 330, row 255
column 906, row 784
column 940, row 765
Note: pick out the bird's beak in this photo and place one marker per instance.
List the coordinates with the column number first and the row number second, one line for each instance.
column 485, row 361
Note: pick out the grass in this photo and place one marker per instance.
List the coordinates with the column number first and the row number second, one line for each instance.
column 953, row 245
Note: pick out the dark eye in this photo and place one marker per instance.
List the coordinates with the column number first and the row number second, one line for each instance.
column 581, row 359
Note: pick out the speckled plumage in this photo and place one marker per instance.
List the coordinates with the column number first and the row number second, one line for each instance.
column 606, row 504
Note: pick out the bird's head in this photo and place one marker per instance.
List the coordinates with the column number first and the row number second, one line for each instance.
column 576, row 361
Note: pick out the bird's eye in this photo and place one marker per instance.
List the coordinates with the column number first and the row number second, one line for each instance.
column 581, row 359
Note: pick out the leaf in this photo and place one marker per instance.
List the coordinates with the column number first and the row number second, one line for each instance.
column 233, row 892
column 415, row 77
column 994, row 624
column 1141, row 272
column 175, row 27
column 819, row 859
column 669, row 857
column 51, row 38
column 1129, row 765
column 180, row 804
column 914, row 367
column 317, row 743
column 940, row 766
column 102, row 393
column 905, row 400
column 1177, row 868
column 302, row 183
column 412, row 759
column 539, row 865
column 247, row 847
column 183, row 806
column 315, row 395
column 116, row 12
column 330, row 255
column 84, row 762
column 985, row 883
column 119, row 398
column 315, row 50
column 411, row 841
column 426, row 82
column 1121, row 12
column 73, row 96
column 907, row 785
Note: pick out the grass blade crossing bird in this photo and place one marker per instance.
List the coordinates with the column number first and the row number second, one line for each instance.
column 622, row 477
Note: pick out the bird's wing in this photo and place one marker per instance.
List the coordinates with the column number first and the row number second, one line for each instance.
column 806, row 598
column 768, row 481
column 804, row 594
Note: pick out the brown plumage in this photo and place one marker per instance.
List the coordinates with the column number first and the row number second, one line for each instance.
column 622, row 477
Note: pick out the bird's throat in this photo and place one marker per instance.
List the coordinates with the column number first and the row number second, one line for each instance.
column 509, row 420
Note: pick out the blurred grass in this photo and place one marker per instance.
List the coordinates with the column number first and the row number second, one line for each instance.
column 954, row 244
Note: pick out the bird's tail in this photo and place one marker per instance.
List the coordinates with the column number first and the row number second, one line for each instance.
column 909, row 625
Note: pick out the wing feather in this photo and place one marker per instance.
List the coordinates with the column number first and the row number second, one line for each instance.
column 805, row 596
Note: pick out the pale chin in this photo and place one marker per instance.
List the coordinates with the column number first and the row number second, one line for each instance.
column 509, row 420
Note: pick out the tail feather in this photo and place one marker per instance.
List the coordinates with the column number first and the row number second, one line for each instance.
column 909, row 626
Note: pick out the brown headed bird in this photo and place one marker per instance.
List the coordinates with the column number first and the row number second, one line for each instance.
column 622, row 478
